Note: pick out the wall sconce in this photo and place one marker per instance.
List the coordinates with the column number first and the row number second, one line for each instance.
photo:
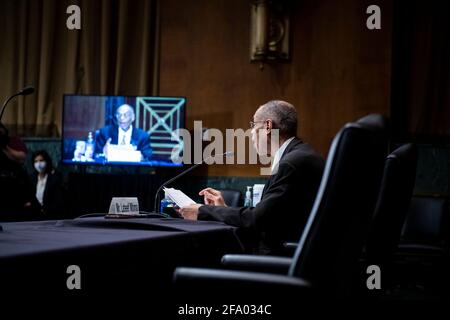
column 269, row 34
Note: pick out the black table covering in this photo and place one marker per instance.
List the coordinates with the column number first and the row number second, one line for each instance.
column 114, row 255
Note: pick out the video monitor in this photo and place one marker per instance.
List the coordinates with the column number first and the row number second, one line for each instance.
column 122, row 130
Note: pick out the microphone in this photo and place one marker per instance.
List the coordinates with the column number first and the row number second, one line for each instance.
column 24, row 92
column 156, row 206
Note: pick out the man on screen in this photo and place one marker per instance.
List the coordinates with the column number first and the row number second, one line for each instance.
column 122, row 133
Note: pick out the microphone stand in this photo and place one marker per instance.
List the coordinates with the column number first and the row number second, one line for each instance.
column 156, row 206
column 6, row 102
column 24, row 92
column 4, row 139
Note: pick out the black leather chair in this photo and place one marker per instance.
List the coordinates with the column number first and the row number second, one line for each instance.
column 426, row 233
column 232, row 197
column 329, row 247
column 392, row 206
column 422, row 259
column 425, row 228
column 386, row 227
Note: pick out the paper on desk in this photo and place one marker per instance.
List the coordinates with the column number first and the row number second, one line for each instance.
column 177, row 196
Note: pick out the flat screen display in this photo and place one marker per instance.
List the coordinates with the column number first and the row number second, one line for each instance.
column 122, row 130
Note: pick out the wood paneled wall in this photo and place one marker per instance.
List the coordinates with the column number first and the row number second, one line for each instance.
column 339, row 69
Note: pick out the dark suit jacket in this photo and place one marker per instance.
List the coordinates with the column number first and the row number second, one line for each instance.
column 286, row 202
column 139, row 138
column 15, row 191
column 53, row 207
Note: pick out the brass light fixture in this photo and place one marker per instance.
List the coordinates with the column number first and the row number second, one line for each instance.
column 269, row 34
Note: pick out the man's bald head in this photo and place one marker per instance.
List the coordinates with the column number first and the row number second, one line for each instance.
column 283, row 116
column 125, row 116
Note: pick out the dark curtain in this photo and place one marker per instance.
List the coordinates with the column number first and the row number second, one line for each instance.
column 421, row 71
column 115, row 52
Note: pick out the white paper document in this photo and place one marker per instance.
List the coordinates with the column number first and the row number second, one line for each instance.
column 177, row 196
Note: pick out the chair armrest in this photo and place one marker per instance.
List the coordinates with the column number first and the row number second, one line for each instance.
column 242, row 284
column 290, row 245
column 289, row 248
column 268, row 264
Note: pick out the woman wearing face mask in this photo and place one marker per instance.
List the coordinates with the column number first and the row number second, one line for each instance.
column 48, row 185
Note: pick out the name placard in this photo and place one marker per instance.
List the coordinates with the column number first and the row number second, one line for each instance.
column 123, row 207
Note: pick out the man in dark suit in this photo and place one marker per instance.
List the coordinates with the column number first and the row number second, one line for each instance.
column 16, row 195
column 289, row 193
column 123, row 133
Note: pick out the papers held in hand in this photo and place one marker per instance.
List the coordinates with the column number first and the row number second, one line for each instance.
column 177, row 196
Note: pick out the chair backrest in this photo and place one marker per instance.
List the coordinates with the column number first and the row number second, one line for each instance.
column 426, row 221
column 336, row 229
column 392, row 206
column 232, row 197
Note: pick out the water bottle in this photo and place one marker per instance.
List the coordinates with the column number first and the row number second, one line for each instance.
column 248, row 197
column 167, row 206
column 90, row 145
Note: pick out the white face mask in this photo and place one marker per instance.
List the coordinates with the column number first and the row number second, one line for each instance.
column 40, row 166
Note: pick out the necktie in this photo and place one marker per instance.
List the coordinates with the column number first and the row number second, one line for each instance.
column 123, row 140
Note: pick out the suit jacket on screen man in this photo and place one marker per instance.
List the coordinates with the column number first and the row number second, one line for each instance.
column 139, row 138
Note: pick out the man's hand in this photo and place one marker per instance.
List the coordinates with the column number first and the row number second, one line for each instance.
column 212, row 197
column 105, row 148
column 189, row 212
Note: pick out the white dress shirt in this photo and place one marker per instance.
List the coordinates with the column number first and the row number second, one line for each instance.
column 279, row 154
column 124, row 136
column 40, row 188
